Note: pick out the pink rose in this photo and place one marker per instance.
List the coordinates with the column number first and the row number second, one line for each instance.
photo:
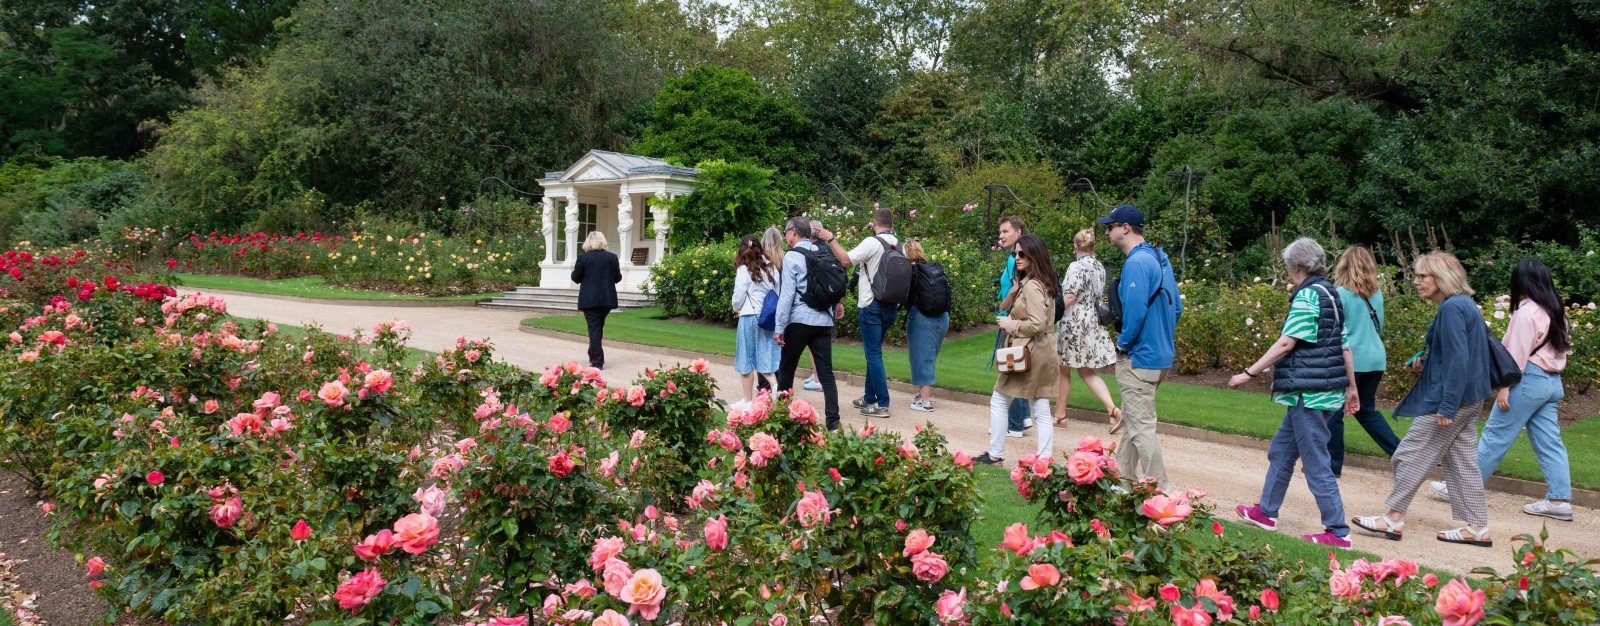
column 716, row 532
column 699, row 365
column 1392, row 620
column 359, row 590
column 1017, row 539
column 560, row 423
column 1092, row 445
column 333, row 393
column 917, row 541
column 1403, row 569
column 729, row 441
column 812, row 509
column 962, row 459
column 97, row 566
column 1429, row 580
column 803, row 412
column 211, row 406
column 301, row 531
column 605, row 548
column 636, row 395
column 1459, row 604
column 375, row 545
column 616, row 574
column 1083, row 467
column 225, row 513
column 951, row 606
column 1041, row 575
column 516, row 620
column 155, row 478
column 778, row 620
column 561, row 464
column 1269, row 599
column 1345, row 585
column 378, row 381
column 610, row 618
column 1165, row 511
column 1169, row 593
column 1207, row 588
column 1193, row 616
column 582, row 589
column 765, row 447
column 431, row 498
column 416, row 532
column 644, row 593
column 929, row 567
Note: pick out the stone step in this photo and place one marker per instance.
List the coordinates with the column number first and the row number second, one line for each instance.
column 560, row 299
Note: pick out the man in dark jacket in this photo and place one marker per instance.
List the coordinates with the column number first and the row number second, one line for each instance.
column 597, row 273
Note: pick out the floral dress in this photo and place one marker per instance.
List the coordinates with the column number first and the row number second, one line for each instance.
column 1081, row 340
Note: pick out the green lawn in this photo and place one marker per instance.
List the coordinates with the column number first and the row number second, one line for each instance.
column 961, row 367
column 310, row 287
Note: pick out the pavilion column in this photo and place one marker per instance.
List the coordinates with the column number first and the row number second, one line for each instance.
column 661, row 214
column 625, row 229
column 572, row 229
column 547, row 227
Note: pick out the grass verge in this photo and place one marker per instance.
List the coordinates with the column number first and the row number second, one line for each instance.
column 311, row 287
column 961, row 366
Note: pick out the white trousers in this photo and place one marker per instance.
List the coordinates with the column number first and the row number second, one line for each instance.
column 1043, row 425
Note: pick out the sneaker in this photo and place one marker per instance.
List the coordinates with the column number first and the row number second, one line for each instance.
column 1254, row 515
column 811, row 384
column 860, row 403
column 875, row 411
column 918, row 405
column 1327, row 538
column 986, row 459
column 1027, row 423
column 1437, row 489
column 1014, row 434
column 1546, row 508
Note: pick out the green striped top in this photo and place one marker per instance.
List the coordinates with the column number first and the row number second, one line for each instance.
column 1301, row 324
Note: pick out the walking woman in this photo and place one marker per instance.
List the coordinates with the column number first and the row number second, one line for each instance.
column 927, row 321
column 1539, row 339
column 1031, row 322
column 1357, row 278
column 754, row 350
column 1084, row 345
column 1450, row 397
column 596, row 273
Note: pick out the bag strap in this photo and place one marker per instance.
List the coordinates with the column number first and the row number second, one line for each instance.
column 1376, row 324
column 1337, row 319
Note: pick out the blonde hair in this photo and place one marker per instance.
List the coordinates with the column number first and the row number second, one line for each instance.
column 1448, row 275
column 772, row 244
column 1357, row 271
column 595, row 241
column 914, row 253
column 1084, row 240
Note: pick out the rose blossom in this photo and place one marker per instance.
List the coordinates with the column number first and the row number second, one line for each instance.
column 803, row 412
column 416, row 532
column 951, row 605
column 636, row 395
column 716, row 533
column 1169, row 593
column 225, row 513
column 812, row 509
column 333, row 393
column 378, row 381
column 561, row 464
column 917, row 541
column 559, row 423
column 301, row 531
column 1166, row 511
column 1193, row 616
column 1083, row 467
column 765, row 447
column 97, row 566
column 155, row 478
column 962, row 459
column 929, row 567
column 610, row 618
column 431, row 498
column 1269, row 599
column 375, row 545
column 604, row 549
column 644, row 593
column 616, row 574
column 1017, row 539
column 1041, row 575
column 1459, row 604
column 1345, row 585
column 1393, row 620
column 359, row 590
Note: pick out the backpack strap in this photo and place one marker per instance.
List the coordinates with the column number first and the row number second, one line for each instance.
column 1337, row 318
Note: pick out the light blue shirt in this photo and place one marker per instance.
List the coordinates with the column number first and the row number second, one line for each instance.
column 791, row 309
column 1366, row 344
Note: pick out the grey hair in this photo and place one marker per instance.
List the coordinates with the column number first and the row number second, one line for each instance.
column 1306, row 255
column 801, row 226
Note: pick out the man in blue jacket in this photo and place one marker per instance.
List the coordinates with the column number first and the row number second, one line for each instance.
column 1150, row 310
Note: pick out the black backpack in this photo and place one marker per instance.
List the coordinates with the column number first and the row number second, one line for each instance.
column 930, row 289
column 825, row 279
column 892, row 283
column 1110, row 308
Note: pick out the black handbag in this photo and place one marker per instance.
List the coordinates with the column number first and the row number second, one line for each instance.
column 1503, row 370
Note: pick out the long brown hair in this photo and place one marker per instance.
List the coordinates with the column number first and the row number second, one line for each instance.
column 1357, row 271
column 1031, row 247
column 753, row 258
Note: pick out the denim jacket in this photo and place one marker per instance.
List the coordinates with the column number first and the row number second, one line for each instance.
column 1456, row 371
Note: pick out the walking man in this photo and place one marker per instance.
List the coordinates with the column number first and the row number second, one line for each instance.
column 1150, row 310
column 875, row 312
column 804, row 322
column 1019, row 417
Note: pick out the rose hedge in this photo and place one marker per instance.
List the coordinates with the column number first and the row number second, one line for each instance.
column 218, row 472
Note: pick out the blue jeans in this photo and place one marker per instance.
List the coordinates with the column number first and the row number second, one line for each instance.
column 1304, row 437
column 874, row 320
column 1534, row 404
column 925, row 335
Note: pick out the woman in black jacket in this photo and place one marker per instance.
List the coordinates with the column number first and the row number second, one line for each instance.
column 597, row 273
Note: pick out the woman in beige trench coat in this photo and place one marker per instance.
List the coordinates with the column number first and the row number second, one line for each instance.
column 1032, row 320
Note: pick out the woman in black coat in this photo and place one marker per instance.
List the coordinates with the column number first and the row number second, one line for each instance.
column 597, row 273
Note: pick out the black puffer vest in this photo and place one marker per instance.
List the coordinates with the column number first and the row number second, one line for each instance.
column 1316, row 366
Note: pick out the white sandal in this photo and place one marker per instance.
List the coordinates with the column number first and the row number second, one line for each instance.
column 1459, row 535
column 1391, row 530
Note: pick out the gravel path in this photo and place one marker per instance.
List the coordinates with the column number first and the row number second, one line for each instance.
column 1231, row 474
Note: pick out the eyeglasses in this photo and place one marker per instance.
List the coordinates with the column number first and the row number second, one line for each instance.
column 1113, row 226
column 1421, row 275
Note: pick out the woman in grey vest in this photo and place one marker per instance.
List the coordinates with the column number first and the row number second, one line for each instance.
column 1314, row 377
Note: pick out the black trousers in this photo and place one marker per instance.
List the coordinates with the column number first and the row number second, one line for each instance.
column 796, row 339
column 1370, row 419
column 597, row 329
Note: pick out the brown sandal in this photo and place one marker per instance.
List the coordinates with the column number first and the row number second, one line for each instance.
column 1061, row 419
column 1116, row 419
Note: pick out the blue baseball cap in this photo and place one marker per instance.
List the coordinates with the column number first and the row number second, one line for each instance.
column 1125, row 214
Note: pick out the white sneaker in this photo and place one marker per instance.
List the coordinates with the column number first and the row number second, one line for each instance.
column 811, row 384
column 1027, row 423
column 918, row 405
column 1014, row 434
column 1546, row 508
column 1437, row 489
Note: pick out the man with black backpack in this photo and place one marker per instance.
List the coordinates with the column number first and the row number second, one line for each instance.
column 885, row 282
column 1147, row 293
column 812, row 282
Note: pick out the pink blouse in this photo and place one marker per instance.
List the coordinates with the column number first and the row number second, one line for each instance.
column 1529, row 324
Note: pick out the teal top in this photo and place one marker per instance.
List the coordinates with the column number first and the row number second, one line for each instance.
column 1364, row 327
column 1301, row 324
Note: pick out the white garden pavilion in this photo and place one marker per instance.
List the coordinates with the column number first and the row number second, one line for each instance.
column 621, row 195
